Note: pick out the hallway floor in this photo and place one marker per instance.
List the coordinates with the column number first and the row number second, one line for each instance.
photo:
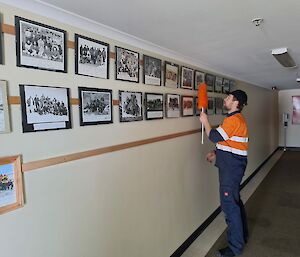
column 273, row 213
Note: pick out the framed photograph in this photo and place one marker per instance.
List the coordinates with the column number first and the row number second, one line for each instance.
column 187, row 106
column 130, row 106
column 232, row 84
column 226, row 86
column 199, row 78
column 127, row 65
column 95, row 106
column 172, row 106
column 218, row 84
column 171, row 75
column 1, row 43
column 44, row 108
column 210, row 81
column 211, row 106
column 152, row 71
column 296, row 110
column 219, row 105
column 40, row 46
column 187, row 78
column 197, row 111
column 11, row 184
column 4, row 114
column 154, row 106
column 91, row 57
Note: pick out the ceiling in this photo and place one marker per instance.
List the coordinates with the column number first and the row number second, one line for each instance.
column 215, row 32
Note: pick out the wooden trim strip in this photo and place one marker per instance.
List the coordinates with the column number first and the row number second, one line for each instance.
column 8, row 29
column 77, row 156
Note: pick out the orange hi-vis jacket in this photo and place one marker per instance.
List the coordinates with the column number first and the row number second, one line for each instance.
column 235, row 135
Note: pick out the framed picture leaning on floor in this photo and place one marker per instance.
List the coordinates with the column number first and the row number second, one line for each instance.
column 95, row 106
column 40, row 46
column 91, row 57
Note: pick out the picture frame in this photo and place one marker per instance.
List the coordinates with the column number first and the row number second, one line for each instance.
column 219, row 105
column 199, row 78
column 296, row 110
column 40, row 46
column 127, row 65
column 172, row 105
column 154, row 106
column 211, row 106
column 44, row 108
column 219, row 84
column 210, row 82
column 130, row 106
column 11, row 184
column 95, row 106
column 152, row 70
column 197, row 111
column 171, row 75
column 4, row 112
column 1, row 41
column 91, row 57
column 187, row 105
column 232, row 84
column 226, row 86
column 187, row 78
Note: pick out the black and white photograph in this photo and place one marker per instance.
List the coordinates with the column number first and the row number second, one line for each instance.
column 187, row 106
column 218, row 84
column 232, row 84
column 211, row 106
column 127, row 65
column 187, row 78
column 171, row 75
column 219, row 105
column 154, row 107
column 91, row 57
column 95, row 106
column 210, row 82
column 152, row 71
column 44, row 108
column 40, row 46
column 130, row 106
column 197, row 111
column 226, row 86
column 4, row 114
column 172, row 106
column 199, row 79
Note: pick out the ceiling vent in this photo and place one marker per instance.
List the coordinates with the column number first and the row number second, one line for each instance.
column 283, row 57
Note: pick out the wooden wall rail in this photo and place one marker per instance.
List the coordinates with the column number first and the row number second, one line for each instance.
column 77, row 156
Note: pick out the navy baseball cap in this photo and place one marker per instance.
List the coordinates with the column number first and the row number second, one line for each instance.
column 241, row 96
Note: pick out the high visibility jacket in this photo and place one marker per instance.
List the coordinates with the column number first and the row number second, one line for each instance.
column 232, row 135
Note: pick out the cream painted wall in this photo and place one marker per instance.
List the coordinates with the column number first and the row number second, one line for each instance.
column 140, row 202
column 293, row 130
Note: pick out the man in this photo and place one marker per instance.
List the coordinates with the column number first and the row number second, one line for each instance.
column 231, row 140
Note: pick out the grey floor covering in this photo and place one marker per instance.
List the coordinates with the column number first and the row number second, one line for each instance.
column 273, row 213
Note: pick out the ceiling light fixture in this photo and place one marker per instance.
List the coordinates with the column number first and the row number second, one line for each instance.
column 257, row 21
column 283, row 57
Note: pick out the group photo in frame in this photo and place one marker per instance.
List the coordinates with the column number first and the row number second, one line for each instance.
column 199, row 79
column 211, row 106
column 226, row 86
column 154, row 106
column 171, row 75
column 4, row 112
column 40, row 46
column 187, row 106
column 127, row 65
column 219, row 105
column 44, row 108
column 210, row 82
column 187, row 78
column 197, row 111
column 130, row 106
column 91, row 57
column 218, row 84
column 152, row 70
column 172, row 105
column 11, row 184
column 95, row 106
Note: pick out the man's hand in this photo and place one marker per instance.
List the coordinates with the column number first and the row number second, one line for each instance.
column 211, row 156
column 203, row 118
